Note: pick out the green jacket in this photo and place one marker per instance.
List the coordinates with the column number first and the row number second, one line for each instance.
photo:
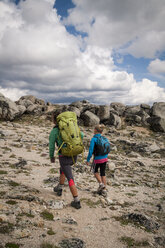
column 55, row 138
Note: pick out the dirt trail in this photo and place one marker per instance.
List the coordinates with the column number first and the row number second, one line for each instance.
column 31, row 215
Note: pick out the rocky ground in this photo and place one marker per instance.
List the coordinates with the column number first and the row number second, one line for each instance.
column 31, row 215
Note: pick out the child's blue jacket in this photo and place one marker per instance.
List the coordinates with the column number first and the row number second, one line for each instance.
column 91, row 149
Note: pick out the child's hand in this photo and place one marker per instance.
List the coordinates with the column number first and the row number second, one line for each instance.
column 52, row 160
column 87, row 163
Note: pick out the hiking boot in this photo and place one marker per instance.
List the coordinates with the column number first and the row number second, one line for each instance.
column 76, row 204
column 100, row 188
column 58, row 190
column 104, row 192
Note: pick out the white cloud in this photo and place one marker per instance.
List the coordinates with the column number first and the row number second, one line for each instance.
column 13, row 93
column 157, row 66
column 146, row 89
column 137, row 24
column 39, row 57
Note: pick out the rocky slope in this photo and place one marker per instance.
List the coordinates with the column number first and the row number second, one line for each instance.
column 31, row 215
column 116, row 115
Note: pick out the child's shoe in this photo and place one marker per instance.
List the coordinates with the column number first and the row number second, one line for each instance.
column 100, row 188
column 104, row 192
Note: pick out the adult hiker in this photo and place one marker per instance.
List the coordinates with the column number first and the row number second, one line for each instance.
column 66, row 134
column 99, row 147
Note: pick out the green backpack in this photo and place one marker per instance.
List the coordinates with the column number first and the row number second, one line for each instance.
column 70, row 133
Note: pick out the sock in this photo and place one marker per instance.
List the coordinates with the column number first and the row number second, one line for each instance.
column 60, row 186
column 76, row 199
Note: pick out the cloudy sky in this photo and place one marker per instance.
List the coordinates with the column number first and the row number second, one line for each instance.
column 100, row 50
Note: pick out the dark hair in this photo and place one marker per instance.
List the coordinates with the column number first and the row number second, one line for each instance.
column 55, row 114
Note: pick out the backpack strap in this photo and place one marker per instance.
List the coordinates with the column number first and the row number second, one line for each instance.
column 95, row 150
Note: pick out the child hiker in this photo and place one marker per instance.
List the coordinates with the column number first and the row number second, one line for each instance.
column 100, row 157
column 65, row 164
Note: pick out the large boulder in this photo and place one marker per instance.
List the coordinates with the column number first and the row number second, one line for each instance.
column 133, row 119
column 118, row 107
column 24, row 102
column 89, row 119
column 133, row 115
column 132, row 110
column 158, row 109
column 8, row 109
column 146, row 108
column 103, row 112
column 33, row 99
column 115, row 120
column 75, row 110
column 33, row 105
column 80, row 104
column 157, row 120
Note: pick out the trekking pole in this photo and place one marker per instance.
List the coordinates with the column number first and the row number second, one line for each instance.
column 92, row 166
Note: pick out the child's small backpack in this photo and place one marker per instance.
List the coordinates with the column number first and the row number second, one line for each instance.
column 70, row 133
column 102, row 147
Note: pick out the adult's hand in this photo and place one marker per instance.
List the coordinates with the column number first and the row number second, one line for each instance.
column 87, row 163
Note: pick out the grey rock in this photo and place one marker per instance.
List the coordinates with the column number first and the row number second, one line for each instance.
column 24, row 102
column 143, row 220
column 133, row 119
column 157, row 124
column 158, row 109
column 37, row 109
column 152, row 148
column 7, row 133
column 21, row 109
column 119, row 107
column 157, row 120
column 72, row 243
column 20, row 164
column 90, row 119
column 160, row 241
column 144, row 117
column 8, row 109
column 146, row 108
column 103, row 112
column 33, row 99
column 75, row 110
column 139, row 163
column 132, row 110
column 70, row 221
column 56, row 204
column 115, row 121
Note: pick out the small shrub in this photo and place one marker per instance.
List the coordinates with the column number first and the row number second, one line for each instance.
column 13, row 184
column 11, row 202
column 47, row 215
column 130, row 242
column 91, row 203
column 6, row 227
column 2, row 172
column 12, row 245
column 51, row 232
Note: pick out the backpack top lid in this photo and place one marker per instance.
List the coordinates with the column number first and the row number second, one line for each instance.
column 67, row 115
